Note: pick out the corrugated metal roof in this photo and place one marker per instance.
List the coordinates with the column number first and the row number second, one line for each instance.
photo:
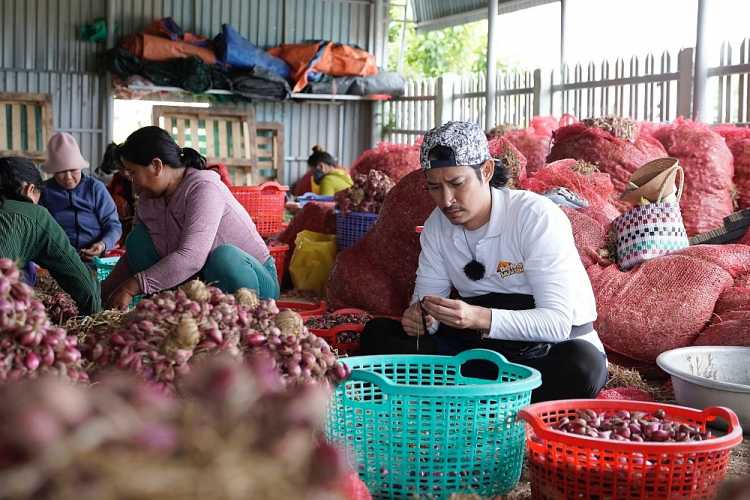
column 437, row 14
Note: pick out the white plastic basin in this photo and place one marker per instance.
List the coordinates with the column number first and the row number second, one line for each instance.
column 705, row 376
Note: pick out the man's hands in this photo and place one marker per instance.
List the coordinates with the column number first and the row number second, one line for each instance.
column 412, row 321
column 457, row 313
column 94, row 250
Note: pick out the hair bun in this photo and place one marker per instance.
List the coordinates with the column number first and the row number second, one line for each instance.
column 317, row 149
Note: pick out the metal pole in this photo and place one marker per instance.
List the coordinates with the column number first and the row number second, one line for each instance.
column 563, row 30
column 700, row 75
column 109, row 117
column 489, row 109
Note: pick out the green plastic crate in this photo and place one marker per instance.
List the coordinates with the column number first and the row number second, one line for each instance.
column 416, row 427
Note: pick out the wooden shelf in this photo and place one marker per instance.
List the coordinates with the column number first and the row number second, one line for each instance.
column 296, row 96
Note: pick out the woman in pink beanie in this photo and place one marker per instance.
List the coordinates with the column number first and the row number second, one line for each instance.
column 80, row 203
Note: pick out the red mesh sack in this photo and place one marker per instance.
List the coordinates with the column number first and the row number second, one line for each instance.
column 738, row 141
column 303, row 185
column 736, row 298
column 732, row 330
column 626, row 393
column 660, row 305
column 377, row 274
column 742, row 280
column 734, row 259
column 613, row 155
column 503, row 149
column 596, row 187
column 589, row 236
column 395, row 160
column 534, row 141
column 708, row 166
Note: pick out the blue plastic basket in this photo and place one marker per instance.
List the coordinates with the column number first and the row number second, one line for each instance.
column 417, row 427
column 351, row 227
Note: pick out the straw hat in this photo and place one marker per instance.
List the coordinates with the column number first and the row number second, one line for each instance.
column 63, row 154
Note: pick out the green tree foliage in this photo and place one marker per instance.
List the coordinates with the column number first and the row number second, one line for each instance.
column 459, row 50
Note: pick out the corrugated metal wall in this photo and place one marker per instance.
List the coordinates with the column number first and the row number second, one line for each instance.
column 40, row 52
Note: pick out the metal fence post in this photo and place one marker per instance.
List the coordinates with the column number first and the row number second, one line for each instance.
column 685, row 83
column 542, row 93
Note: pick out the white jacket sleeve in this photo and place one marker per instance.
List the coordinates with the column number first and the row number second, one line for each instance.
column 550, row 260
column 432, row 274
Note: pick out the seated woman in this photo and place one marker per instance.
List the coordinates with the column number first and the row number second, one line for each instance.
column 29, row 233
column 188, row 224
column 327, row 177
column 511, row 257
column 80, row 203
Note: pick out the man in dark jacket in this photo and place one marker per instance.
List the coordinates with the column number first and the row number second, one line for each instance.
column 80, row 204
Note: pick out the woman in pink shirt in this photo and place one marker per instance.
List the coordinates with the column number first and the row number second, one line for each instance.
column 188, row 224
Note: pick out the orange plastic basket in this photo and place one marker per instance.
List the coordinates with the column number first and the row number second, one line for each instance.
column 305, row 309
column 564, row 465
column 265, row 204
column 331, row 335
column 278, row 252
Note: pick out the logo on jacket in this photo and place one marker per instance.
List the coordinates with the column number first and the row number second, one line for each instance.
column 506, row 268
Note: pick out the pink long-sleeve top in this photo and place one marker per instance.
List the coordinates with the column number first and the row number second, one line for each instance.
column 200, row 216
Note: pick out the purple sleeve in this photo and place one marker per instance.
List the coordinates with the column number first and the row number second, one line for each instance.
column 202, row 217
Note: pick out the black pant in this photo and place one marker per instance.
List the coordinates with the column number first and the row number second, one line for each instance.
column 571, row 369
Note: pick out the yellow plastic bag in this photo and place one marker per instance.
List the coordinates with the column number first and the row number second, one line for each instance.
column 312, row 260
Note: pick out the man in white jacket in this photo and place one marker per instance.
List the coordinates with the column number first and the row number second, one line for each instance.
column 510, row 256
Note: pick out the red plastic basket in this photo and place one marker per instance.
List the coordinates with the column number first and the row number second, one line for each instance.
column 278, row 252
column 305, row 309
column 564, row 465
column 331, row 334
column 264, row 203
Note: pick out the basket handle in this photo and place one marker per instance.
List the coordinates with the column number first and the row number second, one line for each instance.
column 714, row 412
column 484, row 355
column 371, row 378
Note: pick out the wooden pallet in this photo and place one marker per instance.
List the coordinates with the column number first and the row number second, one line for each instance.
column 25, row 124
column 253, row 152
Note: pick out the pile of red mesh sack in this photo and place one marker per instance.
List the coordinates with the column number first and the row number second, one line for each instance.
column 615, row 145
column 660, row 305
column 708, row 166
column 395, row 160
column 377, row 274
column 534, row 141
column 738, row 141
column 594, row 187
column 502, row 149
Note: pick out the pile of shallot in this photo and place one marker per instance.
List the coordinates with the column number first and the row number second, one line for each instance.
column 636, row 426
column 161, row 337
column 60, row 307
column 238, row 432
column 367, row 194
column 331, row 319
column 29, row 344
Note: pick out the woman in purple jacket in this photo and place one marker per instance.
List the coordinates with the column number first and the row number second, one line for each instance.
column 79, row 203
column 188, row 224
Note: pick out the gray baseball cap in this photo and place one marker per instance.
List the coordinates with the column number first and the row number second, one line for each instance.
column 465, row 139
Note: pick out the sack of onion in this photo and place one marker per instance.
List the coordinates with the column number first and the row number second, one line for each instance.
column 29, row 344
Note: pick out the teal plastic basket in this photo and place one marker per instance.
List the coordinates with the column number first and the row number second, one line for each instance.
column 416, row 427
column 104, row 267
